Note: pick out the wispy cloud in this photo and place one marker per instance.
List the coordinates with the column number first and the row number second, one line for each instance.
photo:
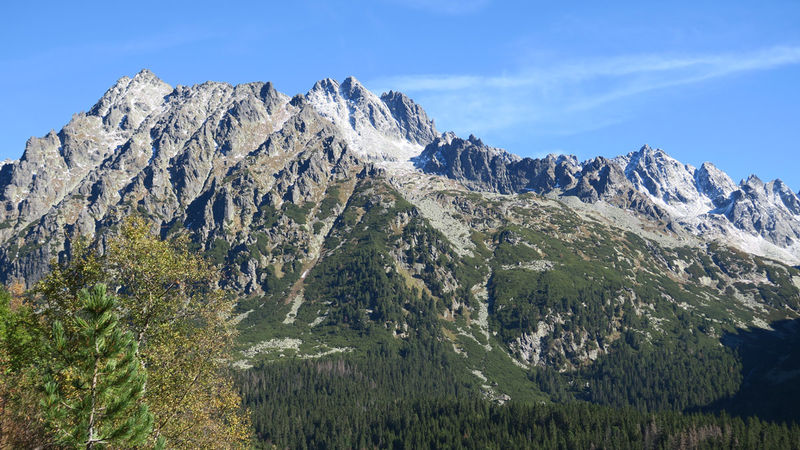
column 703, row 67
column 543, row 95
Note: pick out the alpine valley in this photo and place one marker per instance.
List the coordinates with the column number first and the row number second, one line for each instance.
column 398, row 286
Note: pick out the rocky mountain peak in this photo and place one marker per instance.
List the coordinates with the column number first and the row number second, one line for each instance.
column 789, row 199
column 146, row 76
column 327, row 85
column 353, row 89
column 375, row 129
column 411, row 117
column 130, row 100
column 446, row 138
column 770, row 210
column 475, row 141
column 752, row 182
column 647, row 155
column 667, row 180
column 298, row 100
column 714, row 183
column 265, row 92
column 647, row 181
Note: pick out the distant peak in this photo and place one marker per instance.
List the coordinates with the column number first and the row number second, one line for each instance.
column 134, row 98
column 298, row 100
column 648, row 155
column 145, row 73
column 753, row 180
column 352, row 88
column 559, row 158
column 146, row 76
column 327, row 85
column 268, row 91
column 647, row 150
column 709, row 169
column 395, row 96
column 351, row 81
column 475, row 140
column 708, row 166
column 713, row 182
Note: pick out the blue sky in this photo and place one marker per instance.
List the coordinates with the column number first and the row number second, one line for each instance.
column 705, row 81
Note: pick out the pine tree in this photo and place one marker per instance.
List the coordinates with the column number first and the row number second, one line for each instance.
column 93, row 393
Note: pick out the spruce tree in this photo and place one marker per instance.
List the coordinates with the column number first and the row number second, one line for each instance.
column 93, row 394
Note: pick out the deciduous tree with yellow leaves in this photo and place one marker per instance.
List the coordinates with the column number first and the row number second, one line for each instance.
column 169, row 300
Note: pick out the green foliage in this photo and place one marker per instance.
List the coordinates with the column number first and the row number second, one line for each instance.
column 329, row 202
column 326, row 403
column 521, row 298
column 274, row 285
column 679, row 375
column 23, row 355
column 217, row 253
column 21, row 336
column 429, row 248
column 393, row 401
column 96, row 381
column 268, row 215
column 509, row 251
column 298, row 213
column 781, row 291
column 360, row 278
column 770, row 360
column 696, row 271
column 262, row 242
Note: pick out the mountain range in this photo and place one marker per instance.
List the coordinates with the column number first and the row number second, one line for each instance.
column 170, row 152
column 345, row 222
